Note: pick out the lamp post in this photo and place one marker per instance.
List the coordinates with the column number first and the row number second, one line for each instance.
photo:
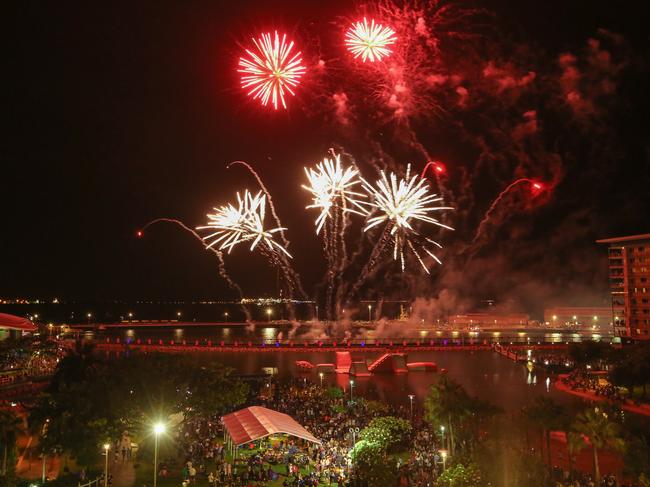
column 354, row 432
column 411, row 397
column 369, row 313
column 320, row 374
column 89, row 315
column 130, row 316
column 351, row 390
column 158, row 428
column 443, row 454
column 269, row 312
column 317, row 313
column 442, row 434
column 178, row 315
column 107, row 447
column 226, row 316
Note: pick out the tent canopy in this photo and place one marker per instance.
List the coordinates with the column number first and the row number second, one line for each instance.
column 16, row 323
column 257, row 422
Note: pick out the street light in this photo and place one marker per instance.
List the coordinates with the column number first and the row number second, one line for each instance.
column 351, row 389
column 178, row 314
column 443, row 454
column 320, row 374
column 369, row 312
column 269, row 312
column 442, row 433
column 130, row 316
column 158, row 429
column 317, row 313
column 107, row 447
column 411, row 397
column 226, row 315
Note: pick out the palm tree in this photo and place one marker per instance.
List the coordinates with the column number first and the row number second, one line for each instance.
column 601, row 431
column 574, row 443
column 9, row 426
column 546, row 414
column 445, row 405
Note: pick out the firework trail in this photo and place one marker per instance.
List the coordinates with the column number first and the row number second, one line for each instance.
column 332, row 188
column 292, row 278
column 536, row 188
column 222, row 266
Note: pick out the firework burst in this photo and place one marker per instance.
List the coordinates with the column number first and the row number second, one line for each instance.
column 330, row 184
column 272, row 70
column 371, row 41
column 244, row 222
column 399, row 204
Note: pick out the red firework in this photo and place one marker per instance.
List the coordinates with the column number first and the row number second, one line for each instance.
column 370, row 41
column 271, row 70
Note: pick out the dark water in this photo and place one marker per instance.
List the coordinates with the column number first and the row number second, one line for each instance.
column 485, row 374
column 270, row 333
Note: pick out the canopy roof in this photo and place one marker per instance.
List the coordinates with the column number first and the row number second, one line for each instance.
column 256, row 422
column 16, row 323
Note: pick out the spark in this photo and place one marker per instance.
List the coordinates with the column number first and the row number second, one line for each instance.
column 400, row 203
column 330, row 185
column 241, row 222
column 370, row 41
column 271, row 70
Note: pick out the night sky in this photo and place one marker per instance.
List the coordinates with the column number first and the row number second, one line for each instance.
column 117, row 113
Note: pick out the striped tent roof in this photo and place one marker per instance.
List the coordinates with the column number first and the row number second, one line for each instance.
column 257, row 422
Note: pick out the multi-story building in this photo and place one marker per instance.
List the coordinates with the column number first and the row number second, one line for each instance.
column 593, row 317
column 629, row 280
column 489, row 320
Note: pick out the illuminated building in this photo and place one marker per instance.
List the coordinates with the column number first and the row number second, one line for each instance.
column 593, row 317
column 629, row 281
column 489, row 320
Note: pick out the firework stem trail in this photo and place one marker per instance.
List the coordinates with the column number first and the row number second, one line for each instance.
column 488, row 214
column 367, row 268
column 222, row 265
column 290, row 273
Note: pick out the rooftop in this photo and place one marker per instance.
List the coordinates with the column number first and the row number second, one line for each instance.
column 630, row 238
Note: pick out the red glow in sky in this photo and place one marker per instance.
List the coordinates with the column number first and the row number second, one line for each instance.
column 139, row 233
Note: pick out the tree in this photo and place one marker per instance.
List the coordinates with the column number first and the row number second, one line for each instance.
column 372, row 466
column 460, row 475
column 94, row 400
column 547, row 415
column 388, row 432
column 600, row 431
column 449, row 405
column 574, row 443
column 589, row 352
column 10, row 425
column 632, row 367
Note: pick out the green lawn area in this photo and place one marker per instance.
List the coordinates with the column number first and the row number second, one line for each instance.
column 144, row 475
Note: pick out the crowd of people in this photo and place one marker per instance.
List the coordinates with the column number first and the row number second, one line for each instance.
column 584, row 381
column 291, row 461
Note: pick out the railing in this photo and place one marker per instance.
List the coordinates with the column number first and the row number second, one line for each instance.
column 93, row 483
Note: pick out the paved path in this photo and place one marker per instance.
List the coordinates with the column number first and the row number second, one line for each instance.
column 123, row 473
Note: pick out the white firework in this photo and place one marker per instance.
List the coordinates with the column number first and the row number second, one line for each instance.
column 399, row 203
column 243, row 222
column 330, row 185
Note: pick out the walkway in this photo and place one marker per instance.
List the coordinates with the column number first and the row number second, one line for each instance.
column 123, row 473
column 643, row 409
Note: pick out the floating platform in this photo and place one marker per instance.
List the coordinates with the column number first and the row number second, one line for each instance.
column 389, row 363
column 359, row 369
column 304, row 365
column 422, row 366
column 326, row 368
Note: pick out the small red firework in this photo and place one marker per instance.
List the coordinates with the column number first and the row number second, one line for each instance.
column 438, row 168
column 370, row 41
column 139, row 233
column 271, row 70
